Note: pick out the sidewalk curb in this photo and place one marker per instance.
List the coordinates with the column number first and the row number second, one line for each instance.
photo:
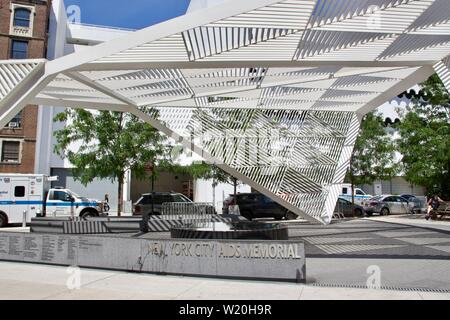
column 416, row 225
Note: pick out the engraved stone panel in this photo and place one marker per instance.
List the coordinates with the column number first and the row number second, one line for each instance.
column 254, row 259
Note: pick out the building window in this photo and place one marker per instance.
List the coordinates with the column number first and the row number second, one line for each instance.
column 22, row 17
column 10, row 151
column 16, row 122
column 19, row 49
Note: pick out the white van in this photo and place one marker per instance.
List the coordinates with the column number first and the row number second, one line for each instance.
column 359, row 195
column 25, row 196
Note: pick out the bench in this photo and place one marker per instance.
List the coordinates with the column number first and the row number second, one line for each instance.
column 441, row 212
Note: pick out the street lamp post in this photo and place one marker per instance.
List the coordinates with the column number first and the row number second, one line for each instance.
column 153, row 190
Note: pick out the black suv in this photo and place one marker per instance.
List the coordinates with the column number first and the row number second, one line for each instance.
column 144, row 204
column 256, row 205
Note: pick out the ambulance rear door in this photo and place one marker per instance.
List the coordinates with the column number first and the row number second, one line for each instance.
column 19, row 192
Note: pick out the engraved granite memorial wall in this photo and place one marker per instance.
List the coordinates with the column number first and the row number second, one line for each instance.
column 271, row 260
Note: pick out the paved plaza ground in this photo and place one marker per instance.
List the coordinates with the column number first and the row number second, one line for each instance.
column 412, row 255
column 25, row 281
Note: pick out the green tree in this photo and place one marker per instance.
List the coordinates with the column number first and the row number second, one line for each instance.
column 110, row 144
column 425, row 138
column 374, row 153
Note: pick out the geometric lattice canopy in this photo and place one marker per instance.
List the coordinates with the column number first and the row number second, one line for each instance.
column 271, row 91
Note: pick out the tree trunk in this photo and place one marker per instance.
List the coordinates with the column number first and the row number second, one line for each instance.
column 122, row 174
column 353, row 195
column 120, row 197
column 214, row 184
column 353, row 190
column 352, row 181
column 235, row 187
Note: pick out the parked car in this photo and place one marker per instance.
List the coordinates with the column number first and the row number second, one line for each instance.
column 348, row 209
column 416, row 204
column 144, row 204
column 256, row 205
column 387, row 204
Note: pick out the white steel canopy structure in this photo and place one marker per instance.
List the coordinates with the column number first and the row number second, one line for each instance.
column 271, row 91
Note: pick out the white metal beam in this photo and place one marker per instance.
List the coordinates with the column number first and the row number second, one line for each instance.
column 443, row 70
column 99, row 87
column 67, row 103
column 189, row 144
column 159, row 31
column 27, row 89
column 420, row 75
column 132, row 65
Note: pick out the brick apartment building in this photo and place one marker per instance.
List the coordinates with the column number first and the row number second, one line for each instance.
column 23, row 35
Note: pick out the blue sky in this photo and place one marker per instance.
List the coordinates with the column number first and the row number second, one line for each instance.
column 135, row 14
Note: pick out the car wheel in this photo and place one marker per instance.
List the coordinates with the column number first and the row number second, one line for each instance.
column 384, row 212
column 88, row 214
column 3, row 220
column 369, row 214
column 358, row 212
column 278, row 218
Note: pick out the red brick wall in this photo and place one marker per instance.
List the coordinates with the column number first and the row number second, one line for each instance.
column 36, row 49
column 27, row 133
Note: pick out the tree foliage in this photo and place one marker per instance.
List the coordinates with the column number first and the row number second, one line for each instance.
column 425, row 138
column 107, row 145
column 374, row 153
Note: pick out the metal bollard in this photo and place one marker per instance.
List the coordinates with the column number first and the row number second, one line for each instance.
column 24, row 220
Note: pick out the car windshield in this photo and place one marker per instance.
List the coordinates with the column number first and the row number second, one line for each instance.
column 181, row 198
column 73, row 194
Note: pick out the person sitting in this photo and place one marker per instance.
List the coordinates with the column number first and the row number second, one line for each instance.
column 433, row 204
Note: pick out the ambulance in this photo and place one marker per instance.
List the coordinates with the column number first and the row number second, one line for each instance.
column 359, row 195
column 25, row 196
